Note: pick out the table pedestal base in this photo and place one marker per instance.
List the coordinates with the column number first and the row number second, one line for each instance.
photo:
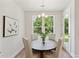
column 41, row 54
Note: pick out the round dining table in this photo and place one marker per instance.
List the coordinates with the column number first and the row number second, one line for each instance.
column 39, row 46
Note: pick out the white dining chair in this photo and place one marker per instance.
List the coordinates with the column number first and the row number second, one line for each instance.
column 28, row 49
column 51, row 36
column 34, row 36
column 57, row 53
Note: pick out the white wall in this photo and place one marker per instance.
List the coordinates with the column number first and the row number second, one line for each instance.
column 10, row 46
column 76, row 28
column 58, row 22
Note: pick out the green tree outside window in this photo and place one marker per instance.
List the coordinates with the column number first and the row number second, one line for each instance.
column 48, row 25
column 66, row 29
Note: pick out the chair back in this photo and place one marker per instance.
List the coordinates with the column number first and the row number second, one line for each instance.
column 28, row 48
column 59, row 48
column 34, row 36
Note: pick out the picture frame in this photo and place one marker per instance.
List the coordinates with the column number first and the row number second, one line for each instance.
column 10, row 26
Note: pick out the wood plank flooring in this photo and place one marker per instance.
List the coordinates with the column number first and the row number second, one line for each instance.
column 63, row 55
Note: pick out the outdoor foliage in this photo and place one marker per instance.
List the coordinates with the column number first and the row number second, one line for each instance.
column 37, row 25
column 66, row 25
column 48, row 25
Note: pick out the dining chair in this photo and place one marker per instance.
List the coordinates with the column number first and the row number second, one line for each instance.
column 28, row 49
column 51, row 36
column 34, row 36
column 57, row 53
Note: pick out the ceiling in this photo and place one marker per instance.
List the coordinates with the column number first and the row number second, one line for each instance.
column 50, row 5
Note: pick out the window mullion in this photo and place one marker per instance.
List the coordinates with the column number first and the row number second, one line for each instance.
column 43, row 23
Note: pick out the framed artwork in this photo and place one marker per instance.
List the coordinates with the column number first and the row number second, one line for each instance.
column 10, row 26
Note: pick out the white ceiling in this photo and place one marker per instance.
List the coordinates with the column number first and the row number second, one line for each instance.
column 50, row 5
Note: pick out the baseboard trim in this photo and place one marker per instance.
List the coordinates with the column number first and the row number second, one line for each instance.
column 19, row 52
column 14, row 55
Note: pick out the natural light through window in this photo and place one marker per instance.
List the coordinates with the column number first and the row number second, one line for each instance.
column 42, row 24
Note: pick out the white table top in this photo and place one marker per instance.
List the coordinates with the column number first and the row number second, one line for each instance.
column 38, row 45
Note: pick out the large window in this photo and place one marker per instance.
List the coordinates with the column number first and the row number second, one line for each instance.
column 48, row 24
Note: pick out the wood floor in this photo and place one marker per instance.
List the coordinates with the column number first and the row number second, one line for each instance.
column 63, row 55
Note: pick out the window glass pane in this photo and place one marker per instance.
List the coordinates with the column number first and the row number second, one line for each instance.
column 48, row 24
column 37, row 25
column 66, row 29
